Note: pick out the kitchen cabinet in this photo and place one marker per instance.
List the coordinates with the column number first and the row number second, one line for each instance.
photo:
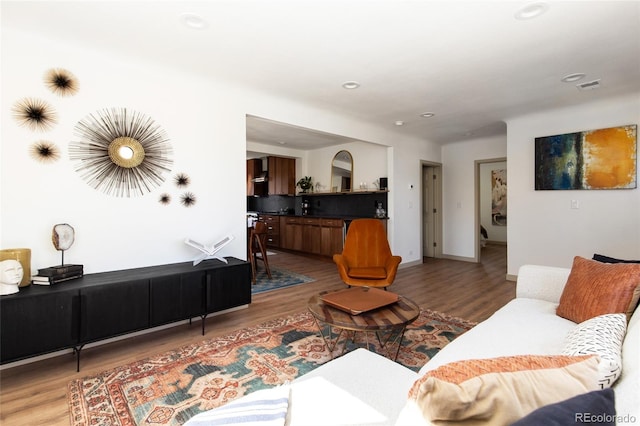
column 311, row 235
column 291, row 233
column 314, row 235
column 254, row 171
column 331, row 236
column 273, row 229
column 282, row 176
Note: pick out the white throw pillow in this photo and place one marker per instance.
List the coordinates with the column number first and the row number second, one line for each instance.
column 602, row 335
column 265, row 407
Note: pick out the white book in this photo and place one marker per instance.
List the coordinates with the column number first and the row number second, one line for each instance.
column 210, row 250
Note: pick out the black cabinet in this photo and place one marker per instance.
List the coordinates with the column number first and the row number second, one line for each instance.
column 226, row 288
column 40, row 323
column 42, row 319
column 114, row 309
column 186, row 293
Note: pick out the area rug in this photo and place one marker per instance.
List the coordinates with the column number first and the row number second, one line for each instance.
column 280, row 278
column 170, row 388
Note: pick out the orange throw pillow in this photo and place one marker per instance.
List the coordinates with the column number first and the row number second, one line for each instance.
column 499, row 391
column 594, row 288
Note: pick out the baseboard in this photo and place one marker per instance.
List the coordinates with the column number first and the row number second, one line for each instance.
column 511, row 277
column 114, row 339
column 408, row 264
column 460, row 258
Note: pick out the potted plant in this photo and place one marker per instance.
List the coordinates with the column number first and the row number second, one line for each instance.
column 305, row 184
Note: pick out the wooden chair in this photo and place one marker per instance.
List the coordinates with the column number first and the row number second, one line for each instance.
column 258, row 245
column 366, row 258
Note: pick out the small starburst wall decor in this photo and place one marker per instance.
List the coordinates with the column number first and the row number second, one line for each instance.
column 121, row 152
column 182, row 180
column 165, row 199
column 188, row 199
column 61, row 82
column 44, row 151
column 35, row 114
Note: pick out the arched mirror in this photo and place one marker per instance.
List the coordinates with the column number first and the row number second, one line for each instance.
column 341, row 172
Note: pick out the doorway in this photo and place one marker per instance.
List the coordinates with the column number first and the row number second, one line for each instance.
column 491, row 204
column 431, row 210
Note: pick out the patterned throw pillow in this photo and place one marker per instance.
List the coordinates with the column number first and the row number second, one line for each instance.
column 594, row 288
column 499, row 391
column 603, row 336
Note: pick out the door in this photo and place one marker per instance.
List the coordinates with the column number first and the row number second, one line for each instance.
column 431, row 210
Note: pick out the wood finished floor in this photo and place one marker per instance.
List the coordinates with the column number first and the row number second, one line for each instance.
column 35, row 394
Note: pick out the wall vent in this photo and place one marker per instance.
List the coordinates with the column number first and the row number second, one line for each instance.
column 589, row 85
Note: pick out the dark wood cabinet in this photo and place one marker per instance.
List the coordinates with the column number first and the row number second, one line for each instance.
column 39, row 323
column 254, row 171
column 282, row 176
column 331, row 236
column 186, row 293
column 114, row 309
column 43, row 319
column 315, row 235
column 273, row 229
column 226, row 288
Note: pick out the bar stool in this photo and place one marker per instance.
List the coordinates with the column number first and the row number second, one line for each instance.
column 258, row 244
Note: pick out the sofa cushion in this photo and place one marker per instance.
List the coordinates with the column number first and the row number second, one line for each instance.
column 592, row 408
column 498, row 391
column 594, row 288
column 602, row 335
column 522, row 326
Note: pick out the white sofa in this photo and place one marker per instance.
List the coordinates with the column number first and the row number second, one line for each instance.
column 363, row 388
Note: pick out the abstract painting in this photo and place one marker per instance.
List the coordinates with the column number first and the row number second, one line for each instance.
column 499, row 197
column 592, row 159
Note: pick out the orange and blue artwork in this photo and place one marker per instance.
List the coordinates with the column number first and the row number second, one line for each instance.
column 592, row 159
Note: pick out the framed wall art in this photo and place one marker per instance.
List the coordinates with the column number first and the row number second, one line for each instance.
column 591, row 159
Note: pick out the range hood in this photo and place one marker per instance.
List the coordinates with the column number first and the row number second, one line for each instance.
column 263, row 177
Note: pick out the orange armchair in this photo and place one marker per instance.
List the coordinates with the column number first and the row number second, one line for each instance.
column 366, row 258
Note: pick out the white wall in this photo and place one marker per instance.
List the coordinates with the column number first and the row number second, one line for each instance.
column 205, row 121
column 543, row 229
column 458, row 193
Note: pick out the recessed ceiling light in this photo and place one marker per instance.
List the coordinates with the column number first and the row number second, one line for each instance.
column 350, row 85
column 570, row 78
column 399, row 123
column 193, row 21
column 427, row 114
column 531, row 10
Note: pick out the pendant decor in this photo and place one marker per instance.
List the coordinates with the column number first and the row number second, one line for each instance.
column 121, row 152
column 35, row 114
column 61, row 82
column 44, row 151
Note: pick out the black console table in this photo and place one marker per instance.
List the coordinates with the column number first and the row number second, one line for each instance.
column 44, row 319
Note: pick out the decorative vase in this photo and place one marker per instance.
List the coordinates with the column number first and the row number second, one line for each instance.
column 22, row 255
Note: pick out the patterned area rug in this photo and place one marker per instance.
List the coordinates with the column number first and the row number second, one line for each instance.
column 280, row 278
column 170, row 388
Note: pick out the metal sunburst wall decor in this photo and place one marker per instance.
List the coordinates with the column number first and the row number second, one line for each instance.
column 35, row 114
column 61, row 82
column 121, row 152
column 44, row 151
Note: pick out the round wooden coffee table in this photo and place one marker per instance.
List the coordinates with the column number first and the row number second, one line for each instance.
column 388, row 323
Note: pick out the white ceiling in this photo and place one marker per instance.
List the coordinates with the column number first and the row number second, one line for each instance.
column 469, row 62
